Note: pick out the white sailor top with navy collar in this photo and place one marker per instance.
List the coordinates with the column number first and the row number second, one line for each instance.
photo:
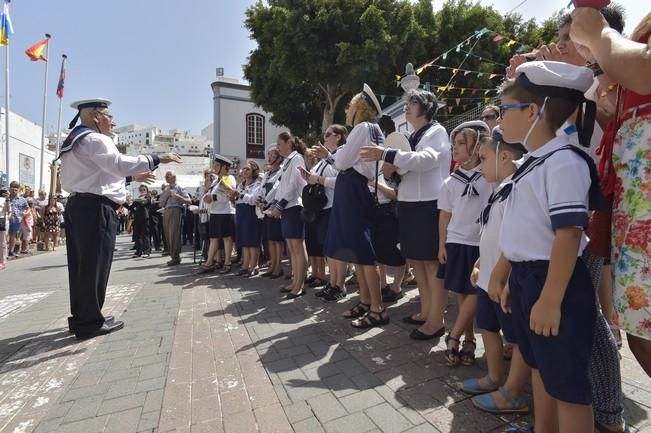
column 428, row 164
column 248, row 193
column 464, row 194
column 290, row 183
column 91, row 163
column 553, row 195
column 347, row 156
column 268, row 185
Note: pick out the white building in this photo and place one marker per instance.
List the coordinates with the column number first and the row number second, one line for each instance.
column 240, row 128
column 24, row 153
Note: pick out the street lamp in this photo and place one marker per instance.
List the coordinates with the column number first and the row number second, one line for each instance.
column 410, row 81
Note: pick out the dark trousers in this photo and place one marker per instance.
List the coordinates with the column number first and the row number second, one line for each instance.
column 188, row 228
column 141, row 233
column 91, row 226
column 155, row 229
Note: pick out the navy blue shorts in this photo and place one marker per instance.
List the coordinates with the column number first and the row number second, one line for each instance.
column 418, row 230
column 456, row 272
column 247, row 226
column 563, row 360
column 316, row 234
column 491, row 318
column 291, row 223
column 221, row 226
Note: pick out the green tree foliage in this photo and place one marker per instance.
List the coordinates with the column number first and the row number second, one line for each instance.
column 313, row 55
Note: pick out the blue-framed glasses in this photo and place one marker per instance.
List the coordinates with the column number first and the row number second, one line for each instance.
column 505, row 107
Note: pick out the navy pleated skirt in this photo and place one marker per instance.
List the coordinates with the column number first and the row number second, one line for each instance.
column 316, row 234
column 247, row 226
column 456, row 271
column 272, row 229
column 221, row 226
column 291, row 223
column 349, row 230
column 419, row 229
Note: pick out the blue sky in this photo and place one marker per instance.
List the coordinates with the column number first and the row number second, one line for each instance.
column 154, row 58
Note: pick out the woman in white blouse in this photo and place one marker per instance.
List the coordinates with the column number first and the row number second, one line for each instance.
column 349, row 232
column 287, row 206
column 247, row 225
column 428, row 163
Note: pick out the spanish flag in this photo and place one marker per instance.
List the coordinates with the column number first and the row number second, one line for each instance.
column 36, row 52
column 6, row 28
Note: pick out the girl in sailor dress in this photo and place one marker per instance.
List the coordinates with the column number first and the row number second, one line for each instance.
column 247, row 226
column 287, row 206
column 221, row 223
column 463, row 197
column 316, row 231
column 428, row 162
column 272, row 237
column 349, row 231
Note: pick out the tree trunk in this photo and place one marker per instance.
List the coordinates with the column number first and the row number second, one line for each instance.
column 330, row 106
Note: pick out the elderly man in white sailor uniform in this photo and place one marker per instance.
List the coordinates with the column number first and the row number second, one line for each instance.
column 95, row 173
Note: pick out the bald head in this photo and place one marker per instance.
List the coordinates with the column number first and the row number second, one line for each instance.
column 170, row 177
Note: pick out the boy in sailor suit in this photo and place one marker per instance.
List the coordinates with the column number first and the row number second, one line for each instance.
column 542, row 236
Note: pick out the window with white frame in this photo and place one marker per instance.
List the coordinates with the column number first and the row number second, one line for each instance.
column 254, row 135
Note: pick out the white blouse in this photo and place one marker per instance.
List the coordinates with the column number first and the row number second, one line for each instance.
column 291, row 183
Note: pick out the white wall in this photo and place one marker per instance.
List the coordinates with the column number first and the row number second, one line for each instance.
column 26, row 140
column 232, row 102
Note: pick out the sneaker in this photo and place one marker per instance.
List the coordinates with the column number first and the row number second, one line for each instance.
column 335, row 294
column 321, row 293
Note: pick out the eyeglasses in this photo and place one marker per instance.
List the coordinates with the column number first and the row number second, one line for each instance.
column 506, row 107
column 489, row 117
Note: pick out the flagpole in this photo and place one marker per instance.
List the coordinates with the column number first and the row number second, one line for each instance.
column 63, row 62
column 7, row 158
column 47, row 63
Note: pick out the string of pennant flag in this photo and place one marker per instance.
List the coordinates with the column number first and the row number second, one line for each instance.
column 497, row 38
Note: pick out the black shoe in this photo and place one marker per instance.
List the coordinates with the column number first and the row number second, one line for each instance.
column 226, row 269
column 322, row 293
column 335, row 294
column 174, row 262
column 285, row 290
column 106, row 328
column 412, row 321
column 165, row 253
column 295, row 295
column 385, row 291
column 107, row 319
column 318, row 282
column 392, row 296
column 136, row 256
column 417, row 335
column 274, row 276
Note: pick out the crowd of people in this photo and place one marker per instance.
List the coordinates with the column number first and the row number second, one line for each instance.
column 535, row 216
column 28, row 222
column 497, row 212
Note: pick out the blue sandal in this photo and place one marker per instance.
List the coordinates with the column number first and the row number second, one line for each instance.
column 473, row 386
column 487, row 403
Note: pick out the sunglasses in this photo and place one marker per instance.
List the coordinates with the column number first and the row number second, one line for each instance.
column 489, row 117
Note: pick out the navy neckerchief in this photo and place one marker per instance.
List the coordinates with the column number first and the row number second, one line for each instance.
column 497, row 195
column 469, row 181
column 75, row 135
column 596, row 200
column 416, row 136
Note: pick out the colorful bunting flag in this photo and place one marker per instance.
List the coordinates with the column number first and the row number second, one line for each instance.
column 498, row 38
column 492, row 76
column 458, row 101
column 419, row 70
column 511, row 42
column 450, row 109
column 486, row 91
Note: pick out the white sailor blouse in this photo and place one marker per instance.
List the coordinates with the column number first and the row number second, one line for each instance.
column 91, row 163
column 290, row 183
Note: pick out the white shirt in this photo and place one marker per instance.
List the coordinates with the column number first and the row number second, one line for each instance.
column 465, row 209
column 291, row 183
column 348, row 155
column 223, row 204
column 553, row 195
column 248, row 193
column 329, row 173
column 381, row 197
column 94, row 165
column 489, row 244
column 269, row 185
column 428, row 165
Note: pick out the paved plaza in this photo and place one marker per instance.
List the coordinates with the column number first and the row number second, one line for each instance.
column 217, row 354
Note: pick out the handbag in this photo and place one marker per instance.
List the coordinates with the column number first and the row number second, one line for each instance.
column 314, row 200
